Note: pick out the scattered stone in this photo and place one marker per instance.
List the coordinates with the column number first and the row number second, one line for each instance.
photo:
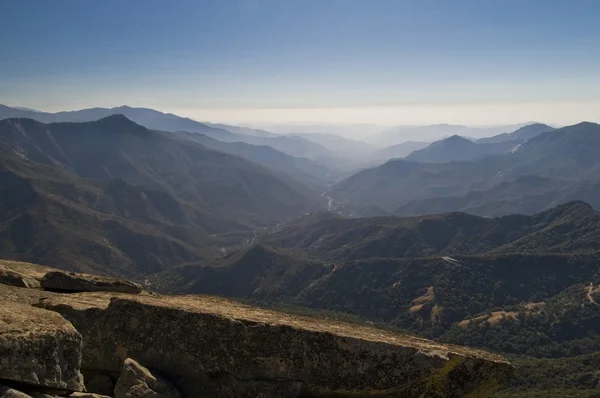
column 213, row 347
column 138, row 382
column 86, row 395
column 75, row 282
column 39, row 348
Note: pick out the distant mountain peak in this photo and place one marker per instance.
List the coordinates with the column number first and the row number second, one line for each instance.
column 456, row 138
column 116, row 117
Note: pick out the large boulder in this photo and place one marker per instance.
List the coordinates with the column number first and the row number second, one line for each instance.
column 213, row 347
column 76, row 282
column 138, row 382
column 39, row 348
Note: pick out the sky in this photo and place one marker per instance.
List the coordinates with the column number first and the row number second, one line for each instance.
column 325, row 61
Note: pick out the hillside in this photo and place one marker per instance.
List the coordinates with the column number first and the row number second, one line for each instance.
column 524, row 286
column 333, row 237
column 398, row 182
column 526, row 194
column 303, row 170
column 115, row 197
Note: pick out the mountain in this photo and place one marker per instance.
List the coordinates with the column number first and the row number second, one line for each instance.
column 565, row 153
column 526, row 194
column 303, row 170
column 333, row 237
column 115, row 197
column 399, row 134
column 456, row 148
column 242, row 130
column 336, row 143
column 354, row 131
column 401, row 150
column 524, row 133
column 523, row 286
column 446, row 150
column 151, row 119
column 568, row 152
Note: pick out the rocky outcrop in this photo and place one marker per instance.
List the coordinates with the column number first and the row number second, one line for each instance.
column 146, row 345
column 138, row 382
column 75, row 282
column 214, row 347
column 22, row 274
column 39, row 347
column 8, row 277
column 8, row 392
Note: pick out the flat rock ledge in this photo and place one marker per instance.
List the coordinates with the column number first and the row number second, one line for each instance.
column 76, row 282
column 214, row 347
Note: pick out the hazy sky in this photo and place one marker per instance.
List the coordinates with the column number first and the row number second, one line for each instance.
column 372, row 61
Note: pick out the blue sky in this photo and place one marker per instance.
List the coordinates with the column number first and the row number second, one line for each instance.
column 329, row 60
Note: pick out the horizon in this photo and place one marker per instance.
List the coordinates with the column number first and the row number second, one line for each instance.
column 261, row 62
column 298, row 123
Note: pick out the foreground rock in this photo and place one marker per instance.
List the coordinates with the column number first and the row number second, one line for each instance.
column 213, row 347
column 9, row 392
column 75, row 282
column 138, row 382
column 17, row 273
column 39, row 348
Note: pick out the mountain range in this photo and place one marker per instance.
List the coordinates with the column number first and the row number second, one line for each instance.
column 115, row 197
column 495, row 248
column 568, row 153
column 328, row 148
column 398, row 134
column 155, row 120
